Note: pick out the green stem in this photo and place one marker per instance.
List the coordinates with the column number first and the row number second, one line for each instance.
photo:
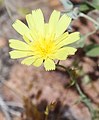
column 84, row 98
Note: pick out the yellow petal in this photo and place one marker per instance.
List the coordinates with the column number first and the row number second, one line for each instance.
column 21, row 28
column 38, row 62
column 34, row 34
column 61, row 38
column 62, row 25
column 38, row 20
column 62, row 53
column 73, row 37
column 54, row 18
column 46, row 30
column 20, row 54
column 30, row 21
column 26, row 39
column 17, row 44
column 53, row 21
column 70, row 50
column 49, row 64
column 28, row 61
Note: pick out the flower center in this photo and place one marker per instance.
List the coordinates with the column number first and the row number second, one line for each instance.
column 44, row 48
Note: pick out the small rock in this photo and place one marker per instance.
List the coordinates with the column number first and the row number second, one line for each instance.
column 3, row 42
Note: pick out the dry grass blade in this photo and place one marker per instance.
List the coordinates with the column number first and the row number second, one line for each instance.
column 31, row 112
column 4, row 109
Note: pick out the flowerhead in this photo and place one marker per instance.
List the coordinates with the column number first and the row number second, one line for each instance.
column 43, row 42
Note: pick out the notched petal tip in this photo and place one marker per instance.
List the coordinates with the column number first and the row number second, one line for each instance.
column 17, row 21
column 11, row 56
column 55, row 11
column 36, row 10
column 50, row 69
column 26, row 64
column 10, row 40
column 49, row 64
column 39, row 10
column 67, row 17
column 78, row 33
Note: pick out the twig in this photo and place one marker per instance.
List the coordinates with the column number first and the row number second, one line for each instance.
column 89, row 18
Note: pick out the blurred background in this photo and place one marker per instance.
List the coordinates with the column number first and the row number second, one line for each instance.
column 24, row 89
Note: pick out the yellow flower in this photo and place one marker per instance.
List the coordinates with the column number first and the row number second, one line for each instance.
column 43, row 42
